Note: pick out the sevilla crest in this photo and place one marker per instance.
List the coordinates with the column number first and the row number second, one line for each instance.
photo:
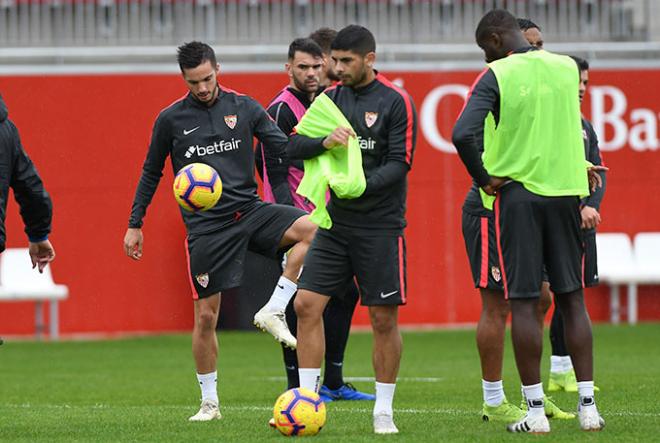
column 370, row 118
column 203, row 279
column 495, row 272
column 230, row 120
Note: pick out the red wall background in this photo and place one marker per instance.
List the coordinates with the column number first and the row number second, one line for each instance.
column 88, row 137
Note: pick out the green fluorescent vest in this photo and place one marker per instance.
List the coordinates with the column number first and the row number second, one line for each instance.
column 538, row 141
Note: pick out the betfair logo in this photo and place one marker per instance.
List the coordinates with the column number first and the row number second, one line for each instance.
column 216, row 148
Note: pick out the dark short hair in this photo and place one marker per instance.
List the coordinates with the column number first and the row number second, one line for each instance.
column 324, row 37
column 582, row 63
column 355, row 38
column 306, row 45
column 192, row 54
column 524, row 24
column 496, row 21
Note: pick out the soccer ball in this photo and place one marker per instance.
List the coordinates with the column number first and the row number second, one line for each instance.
column 299, row 411
column 197, row 187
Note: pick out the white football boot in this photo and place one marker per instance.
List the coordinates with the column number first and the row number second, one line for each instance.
column 274, row 322
column 590, row 419
column 208, row 411
column 536, row 424
column 384, row 424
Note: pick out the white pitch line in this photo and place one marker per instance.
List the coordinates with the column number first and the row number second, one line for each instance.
column 333, row 408
column 369, row 379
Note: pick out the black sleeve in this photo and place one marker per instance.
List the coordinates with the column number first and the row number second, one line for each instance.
column 483, row 98
column 152, row 171
column 268, row 134
column 35, row 204
column 302, row 147
column 401, row 143
column 596, row 197
column 277, row 168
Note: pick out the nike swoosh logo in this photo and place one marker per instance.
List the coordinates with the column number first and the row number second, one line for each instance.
column 291, row 368
column 280, row 286
column 388, row 294
column 192, row 130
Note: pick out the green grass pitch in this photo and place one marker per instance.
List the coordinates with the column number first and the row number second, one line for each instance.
column 144, row 389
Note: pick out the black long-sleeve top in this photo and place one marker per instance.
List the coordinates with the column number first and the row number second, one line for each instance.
column 385, row 121
column 222, row 137
column 18, row 173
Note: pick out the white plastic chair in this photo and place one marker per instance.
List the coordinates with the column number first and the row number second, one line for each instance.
column 19, row 282
column 646, row 251
column 616, row 266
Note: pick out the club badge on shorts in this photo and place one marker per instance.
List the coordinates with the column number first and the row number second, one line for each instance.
column 370, row 118
column 495, row 272
column 202, row 279
column 230, row 120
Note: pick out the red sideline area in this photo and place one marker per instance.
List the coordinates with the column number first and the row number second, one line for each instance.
column 88, row 137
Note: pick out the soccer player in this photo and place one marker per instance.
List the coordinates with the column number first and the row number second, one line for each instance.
column 562, row 374
column 216, row 126
column 534, row 163
column 305, row 67
column 19, row 174
column 366, row 239
column 478, row 227
column 531, row 31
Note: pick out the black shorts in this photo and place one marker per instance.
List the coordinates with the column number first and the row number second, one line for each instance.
column 590, row 258
column 481, row 247
column 216, row 260
column 376, row 259
column 533, row 230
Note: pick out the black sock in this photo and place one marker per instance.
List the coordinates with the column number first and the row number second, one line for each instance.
column 337, row 324
column 290, row 356
column 557, row 334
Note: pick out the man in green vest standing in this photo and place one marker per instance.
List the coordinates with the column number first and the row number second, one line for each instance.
column 535, row 166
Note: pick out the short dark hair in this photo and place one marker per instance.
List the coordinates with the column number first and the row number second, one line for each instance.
column 192, row 54
column 306, row 45
column 324, row 37
column 495, row 21
column 582, row 63
column 355, row 38
column 524, row 24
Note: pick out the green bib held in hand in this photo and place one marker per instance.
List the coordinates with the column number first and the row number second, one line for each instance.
column 339, row 168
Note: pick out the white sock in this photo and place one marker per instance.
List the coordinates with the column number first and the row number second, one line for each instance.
column 282, row 294
column 384, row 398
column 556, row 363
column 208, row 383
column 568, row 363
column 310, row 378
column 585, row 388
column 493, row 392
column 534, row 396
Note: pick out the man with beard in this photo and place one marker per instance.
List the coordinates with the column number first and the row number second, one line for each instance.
column 305, row 67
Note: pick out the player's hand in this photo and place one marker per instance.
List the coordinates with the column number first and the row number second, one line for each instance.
column 590, row 217
column 41, row 253
column 595, row 181
column 494, row 184
column 338, row 137
column 133, row 241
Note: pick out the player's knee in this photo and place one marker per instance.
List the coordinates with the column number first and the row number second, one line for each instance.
column 304, row 307
column 308, row 231
column 383, row 321
column 206, row 320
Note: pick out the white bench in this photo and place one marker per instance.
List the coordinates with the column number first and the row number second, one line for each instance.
column 621, row 264
column 19, row 282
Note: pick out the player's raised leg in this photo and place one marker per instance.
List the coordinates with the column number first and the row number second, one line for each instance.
column 205, row 353
column 271, row 317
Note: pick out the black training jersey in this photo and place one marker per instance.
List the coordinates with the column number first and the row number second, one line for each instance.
column 222, row 137
column 592, row 154
column 385, row 122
